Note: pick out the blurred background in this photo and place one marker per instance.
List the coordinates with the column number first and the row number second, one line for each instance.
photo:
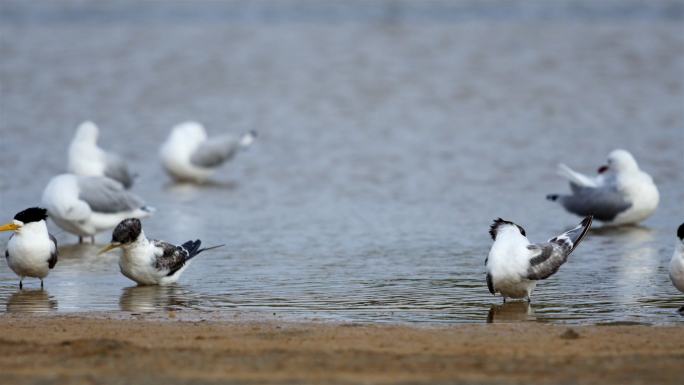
column 391, row 134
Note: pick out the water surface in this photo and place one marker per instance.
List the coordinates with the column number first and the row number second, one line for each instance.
column 391, row 134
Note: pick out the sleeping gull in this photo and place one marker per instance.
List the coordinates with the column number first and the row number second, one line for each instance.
column 619, row 194
column 151, row 262
column 677, row 263
column 87, row 159
column 31, row 250
column 189, row 155
column 87, row 205
column 514, row 265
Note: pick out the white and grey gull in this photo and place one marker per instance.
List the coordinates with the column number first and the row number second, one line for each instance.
column 514, row 264
column 190, row 155
column 87, row 205
column 151, row 262
column 87, row 159
column 620, row 194
column 677, row 263
column 31, row 250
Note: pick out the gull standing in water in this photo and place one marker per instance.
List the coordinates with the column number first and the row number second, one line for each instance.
column 87, row 159
column 189, row 155
column 87, row 205
column 514, row 265
column 31, row 250
column 620, row 194
column 677, row 263
column 151, row 262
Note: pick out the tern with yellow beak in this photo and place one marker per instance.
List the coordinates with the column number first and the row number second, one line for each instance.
column 150, row 262
column 31, row 250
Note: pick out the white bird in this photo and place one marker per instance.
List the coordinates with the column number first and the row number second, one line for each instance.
column 87, row 205
column 514, row 265
column 620, row 194
column 31, row 250
column 151, row 262
column 189, row 155
column 87, row 159
column 677, row 263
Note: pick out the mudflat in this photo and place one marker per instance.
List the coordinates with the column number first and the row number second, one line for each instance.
column 85, row 350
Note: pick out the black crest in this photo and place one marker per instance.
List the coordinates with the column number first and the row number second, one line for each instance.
column 127, row 231
column 500, row 222
column 680, row 232
column 33, row 214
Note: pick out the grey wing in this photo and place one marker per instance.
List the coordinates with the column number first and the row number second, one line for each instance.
column 171, row 258
column 117, row 169
column 604, row 203
column 54, row 253
column 546, row 259
column 105, row 195
column 214, row 151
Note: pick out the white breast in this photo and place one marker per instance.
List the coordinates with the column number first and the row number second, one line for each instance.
column 677, row 267
column 29, row 250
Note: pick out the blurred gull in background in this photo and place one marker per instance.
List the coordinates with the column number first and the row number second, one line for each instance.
column 189, row 155
column 620, row 194
column 87, row 205
column 87, row 159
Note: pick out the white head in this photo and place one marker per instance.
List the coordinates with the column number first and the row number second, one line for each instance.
column 87, row 132
column 619, row 161
column 502, row 228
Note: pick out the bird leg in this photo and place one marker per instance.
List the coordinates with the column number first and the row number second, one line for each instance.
column 80, row 239
column 504, row 299
column 21, row 285
column 41, row 283
column 529, row 299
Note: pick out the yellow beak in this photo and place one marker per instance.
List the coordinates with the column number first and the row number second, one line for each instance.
column 110, row 246
column 9, row 227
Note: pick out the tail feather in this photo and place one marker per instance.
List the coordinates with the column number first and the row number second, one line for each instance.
column 574, row 176
column 193, row 248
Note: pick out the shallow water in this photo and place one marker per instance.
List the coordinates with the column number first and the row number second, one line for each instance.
column 391, row 134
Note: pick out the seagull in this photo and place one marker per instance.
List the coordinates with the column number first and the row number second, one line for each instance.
column 677, row 263
column 87, row 159
column 514, row 265
column 620, row 194
column 87, row 205
column 151, row 262
column 31, row 250
column 188, row 155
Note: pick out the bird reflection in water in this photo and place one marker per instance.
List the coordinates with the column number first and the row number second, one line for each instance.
column 148, row 299
column 31, row 301
column 512, row 311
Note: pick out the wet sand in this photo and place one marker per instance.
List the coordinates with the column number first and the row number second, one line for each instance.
column 79, row 350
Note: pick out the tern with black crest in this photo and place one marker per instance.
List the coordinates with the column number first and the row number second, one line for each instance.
column 151, row 262
column 31, row 250
column 514, row 264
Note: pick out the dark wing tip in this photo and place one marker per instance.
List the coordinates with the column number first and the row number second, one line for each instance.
column 586, row 224
column 552, row 197
column 680, row 232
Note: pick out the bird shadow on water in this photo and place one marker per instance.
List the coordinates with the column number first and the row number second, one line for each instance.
column 512, row 311
column 150, row 299
column 632, row 231
column 31, row 301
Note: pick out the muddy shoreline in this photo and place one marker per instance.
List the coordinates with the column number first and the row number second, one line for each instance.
column 80, row 350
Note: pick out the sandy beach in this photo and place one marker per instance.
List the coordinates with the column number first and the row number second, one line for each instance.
column 83, row 350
